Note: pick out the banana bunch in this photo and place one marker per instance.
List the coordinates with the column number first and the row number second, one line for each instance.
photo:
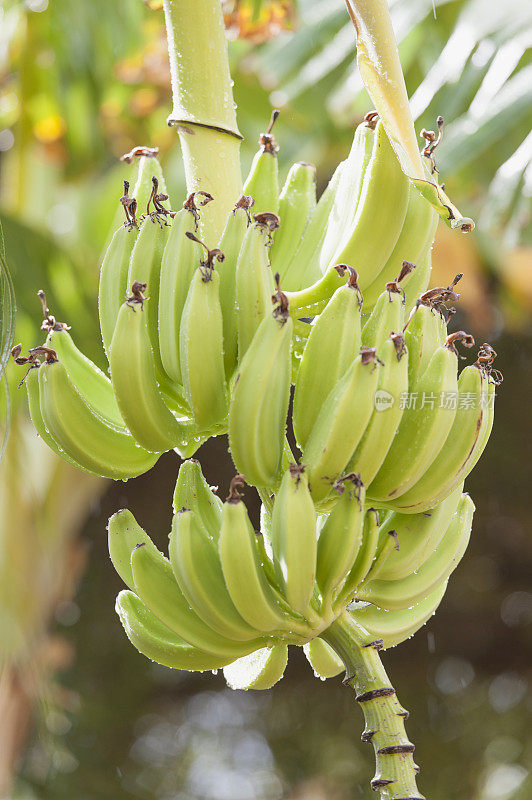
column 228, row 597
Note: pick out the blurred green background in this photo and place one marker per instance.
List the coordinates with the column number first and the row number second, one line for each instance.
column 81, row 713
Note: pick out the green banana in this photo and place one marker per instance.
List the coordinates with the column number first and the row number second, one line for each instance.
column 424, row 428
column 293, row 539
column 133, row 374
column 364, row 559
column 113, row 278
column 387, row 413
column 388, row 312
column 394, row 627
column 462, row 448
column 259, row 405
column 323, row 659
column 193, row 492
column 254, row 285
column 123, row 535
column 96, row 446
column 425, row 332
column 260, row 670
column 32, row 389
column 230, row 245
column 180, row 259
column 262, row 182
column 244, row 577
column 414, row 588
column 297, row 202
column 341, row 424
column 379, row 216
column 91, row 383
column 196, row 565
column 348, row 192
column 157, row 642
column 417, row 535
column 201, row 347
column 340, row 537
column 331, row 348
column 416, row 236
column 156, row 585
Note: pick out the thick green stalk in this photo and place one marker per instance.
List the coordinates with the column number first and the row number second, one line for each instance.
column 395, row 776
column 204, row 110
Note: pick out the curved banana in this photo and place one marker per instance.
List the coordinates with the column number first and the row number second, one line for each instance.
column 123, row 535
column 157, row 642
column 201, row 348
column 230, row 245
column 259, row 405
column 462, row 448
column 262, row 183
column 180, row 260
column 380, row 213
column 412, row 243
column 341, row 424
column 96, row 446
column 331, row 348
column 364, row 559
column 245, row 579
column 297, row 202
column 34, row 402
column 409, row 591
column 293, row 539
column 196, row 565
column 260, row 670
column 394, row 627
column 425, row 332
column 91, row 383
column 323, row 659
column 193, row 492
column 156, row 585
column 113, row 279
column 254, row 285
column 387, row 412
column 424, row 425
column 340, row 537
column 133, row 374
column 387, row 316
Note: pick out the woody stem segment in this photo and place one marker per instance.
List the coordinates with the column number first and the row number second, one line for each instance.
column 395, row 777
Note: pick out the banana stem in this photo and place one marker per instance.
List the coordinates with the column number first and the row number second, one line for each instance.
column 395, row 776
column 203, row 107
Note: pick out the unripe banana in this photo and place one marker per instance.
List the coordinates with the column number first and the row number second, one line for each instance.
column 341, row 424
column 145, row 268
column 388, row 312
column 380, row 213
column 245, row 579
column 113, row 280
column 254, row 284
column 96, row 446
column 91, row 383
column 394, row 627
column 323, row 659
column 364, row 559
column 331, row 348
column 259, row 405
column 156, row 585
column 386, row 416
column 133, row 374
column 398, row 594
column 426, row 330
column 296, row 205
column 180, row 259
column 230, row 245
column 417, row 535
column 149, row 167
column 196, row 565
column 462, row 448
column 348, row 192
column 193, row 492
column 412, row 243
column 424, row 428
column 294, row 544
column 260, row 670
column 262, row 182
column 123, row 535
column 340, row 537
column 31, row 382
column 157, row 642
column 201, row 347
